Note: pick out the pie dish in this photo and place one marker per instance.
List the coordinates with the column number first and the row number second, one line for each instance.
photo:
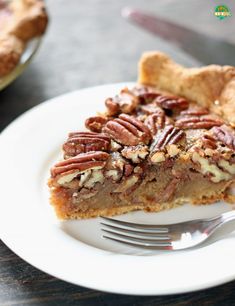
column 168, row 141
column 20, row 21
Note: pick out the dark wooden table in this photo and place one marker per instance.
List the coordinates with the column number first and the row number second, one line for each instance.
column 88, row 44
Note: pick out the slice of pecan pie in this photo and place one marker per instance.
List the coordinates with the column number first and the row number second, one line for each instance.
column 170, row 140
column 20, row 21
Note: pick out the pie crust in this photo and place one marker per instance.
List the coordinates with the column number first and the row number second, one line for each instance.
column 168, row 141
column 211, row 86
column 20, row 21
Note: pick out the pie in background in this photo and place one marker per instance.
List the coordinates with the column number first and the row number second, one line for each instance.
column 169, row 140
column 20, row 21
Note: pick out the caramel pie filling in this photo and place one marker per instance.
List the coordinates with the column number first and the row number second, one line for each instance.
column 150, row 150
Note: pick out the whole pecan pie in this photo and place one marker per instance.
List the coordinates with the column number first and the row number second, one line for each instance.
column 170, row 140
column 20, row 21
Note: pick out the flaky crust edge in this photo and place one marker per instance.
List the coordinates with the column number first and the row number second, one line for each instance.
column 29, row 20
column 211, row 86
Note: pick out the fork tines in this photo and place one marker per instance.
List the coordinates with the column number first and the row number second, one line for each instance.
column 138, row 235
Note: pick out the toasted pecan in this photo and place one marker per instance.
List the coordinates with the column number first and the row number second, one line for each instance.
column 209, row 142
column 81, row 162
column 151, row 108
column 147, row 97
column 195, row 122
column 169, row 135
column 155, row 121
column 96, row 123
column 128, row 130
column 82, row 142
column 195, row 111
column 145, row 94
column 225, row 134
column 125, row 102
column 171, row 102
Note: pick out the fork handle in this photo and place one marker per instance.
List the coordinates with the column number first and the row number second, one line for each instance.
column 228, row 216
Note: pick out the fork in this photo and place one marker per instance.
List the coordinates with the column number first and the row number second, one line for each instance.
column 164, row 237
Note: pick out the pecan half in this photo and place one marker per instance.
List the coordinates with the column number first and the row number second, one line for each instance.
column 96, row 123
column 150, row 109
column 166, row 140
column 171, row 102
column 193, row 122
column 128, row 130
column 82, row 142
column 125, row 102
column 196, row 111
column 225, row 134
column 155, row 121
column 81, row 162
column 147, row 97
column 145, row 94
column 169, row 135
column 209, row 142
column 113, row 106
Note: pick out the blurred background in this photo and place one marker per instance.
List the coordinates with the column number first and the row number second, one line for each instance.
column 88, row 43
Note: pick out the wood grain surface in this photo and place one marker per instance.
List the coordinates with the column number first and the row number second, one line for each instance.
column 87, row 44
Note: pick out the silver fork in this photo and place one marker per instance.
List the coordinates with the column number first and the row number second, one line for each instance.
column 164, row 237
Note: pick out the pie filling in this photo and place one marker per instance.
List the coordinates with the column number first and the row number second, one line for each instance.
column 150, row 150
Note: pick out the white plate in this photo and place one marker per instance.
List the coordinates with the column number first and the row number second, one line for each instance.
column 74, row 251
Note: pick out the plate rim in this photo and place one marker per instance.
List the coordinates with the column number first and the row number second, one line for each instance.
column 198, row 288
